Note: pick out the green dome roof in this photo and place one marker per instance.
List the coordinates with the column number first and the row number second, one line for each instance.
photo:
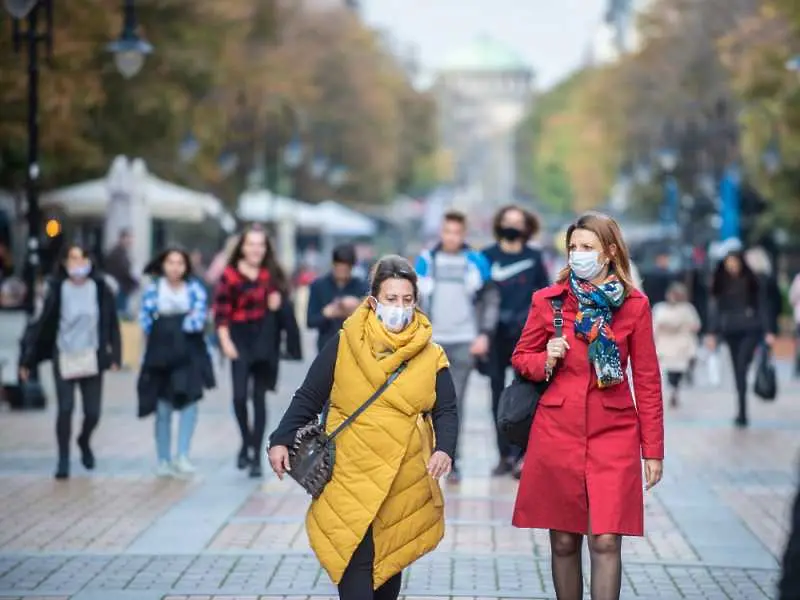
column 485, row 54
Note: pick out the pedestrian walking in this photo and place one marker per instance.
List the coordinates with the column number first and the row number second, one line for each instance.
column 176, row 368
column 335, row 296
column 518, row 271
column 794, row 300
column 383, row 508
column 676, row 325
column 252, row 312
column 78, row 329
column 461, row 301
column 118, row 265
column 739, row 318
column 588, row 438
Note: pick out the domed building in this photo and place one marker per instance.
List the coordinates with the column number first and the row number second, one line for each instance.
column 483, row 92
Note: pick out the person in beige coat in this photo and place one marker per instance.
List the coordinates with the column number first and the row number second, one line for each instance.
column 676, row 325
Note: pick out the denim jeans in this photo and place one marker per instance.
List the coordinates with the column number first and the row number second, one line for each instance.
column 186, row 425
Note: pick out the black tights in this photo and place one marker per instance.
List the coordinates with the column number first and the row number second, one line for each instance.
column 91, row 395
column 357, row 583
column 242, row 372
column 743, row 349
column 606, row 559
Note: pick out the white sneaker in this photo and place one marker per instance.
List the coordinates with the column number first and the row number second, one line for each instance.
column 164, row 469
column 184, row 466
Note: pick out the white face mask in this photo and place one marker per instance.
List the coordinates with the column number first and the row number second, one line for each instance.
column 394, row 318
column 586, row 265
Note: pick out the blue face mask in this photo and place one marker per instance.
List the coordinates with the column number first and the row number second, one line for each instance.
column 80, row 272
column 394, row 318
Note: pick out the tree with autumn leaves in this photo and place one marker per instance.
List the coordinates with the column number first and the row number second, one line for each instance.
column 243, row 76
column 713, row 71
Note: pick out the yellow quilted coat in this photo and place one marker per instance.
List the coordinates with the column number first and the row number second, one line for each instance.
column 380, row 476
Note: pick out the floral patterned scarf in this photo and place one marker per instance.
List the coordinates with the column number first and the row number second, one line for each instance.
column 593, row 324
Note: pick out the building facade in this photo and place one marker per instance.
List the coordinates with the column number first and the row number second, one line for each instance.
column 483, row 92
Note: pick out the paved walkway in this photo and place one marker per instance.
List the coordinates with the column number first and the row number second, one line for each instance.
column 715, row 527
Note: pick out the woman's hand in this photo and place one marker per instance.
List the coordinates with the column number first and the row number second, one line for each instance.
column 769, row 339
column 279, row 460
column 556, row 350
column 228, row 349
column 24, row 374
column 274, row 301
column 439, row 464
column 653, row 471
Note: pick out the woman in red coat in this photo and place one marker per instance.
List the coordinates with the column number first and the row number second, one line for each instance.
column 583, row 471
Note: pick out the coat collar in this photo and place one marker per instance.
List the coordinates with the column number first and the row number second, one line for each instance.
column 556, row 290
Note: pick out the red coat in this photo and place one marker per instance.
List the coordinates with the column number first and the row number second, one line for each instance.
column 582, row 470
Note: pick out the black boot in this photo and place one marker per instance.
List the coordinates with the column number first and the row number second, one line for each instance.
column 255, row 470
column 62, row 470
column 243, row 460
column 87, row 456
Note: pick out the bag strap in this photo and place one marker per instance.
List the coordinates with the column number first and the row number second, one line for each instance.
column 558, row 315
column 378, row 393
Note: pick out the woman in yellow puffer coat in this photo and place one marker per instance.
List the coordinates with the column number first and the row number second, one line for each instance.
column 383, row 508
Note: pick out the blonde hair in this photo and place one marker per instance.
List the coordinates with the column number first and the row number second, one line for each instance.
column 610, row 235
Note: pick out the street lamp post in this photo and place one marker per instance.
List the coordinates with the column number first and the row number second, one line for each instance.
column 31, row 36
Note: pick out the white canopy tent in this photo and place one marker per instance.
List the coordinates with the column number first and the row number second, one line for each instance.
column 166, row 201
column 328, row 217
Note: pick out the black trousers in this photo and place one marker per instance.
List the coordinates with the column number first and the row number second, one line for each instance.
column 742, row 348
column 91, row 395
column 242, row 373
column 357, row 583
column 499, row 362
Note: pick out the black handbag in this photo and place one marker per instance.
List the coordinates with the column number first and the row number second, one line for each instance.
column 766, row 384
column 313, row 454
column 520, row 398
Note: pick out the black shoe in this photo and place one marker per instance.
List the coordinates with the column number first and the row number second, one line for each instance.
column 87, row 456
column 255, row 471
column 741, row 422
column 243, row 460
column 673, row 401
column 62, row 471
column 504, row 467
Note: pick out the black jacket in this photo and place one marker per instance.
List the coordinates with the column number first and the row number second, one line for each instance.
column 38, row 343
column 265, row 343
column 321, row 293
column 176, row 366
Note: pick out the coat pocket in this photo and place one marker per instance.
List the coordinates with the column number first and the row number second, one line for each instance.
column 552, row 400
column 617, row 401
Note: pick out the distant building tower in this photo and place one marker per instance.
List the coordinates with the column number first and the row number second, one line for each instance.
column 483, row 92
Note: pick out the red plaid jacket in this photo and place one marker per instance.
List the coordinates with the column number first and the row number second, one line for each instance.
column 239, row 299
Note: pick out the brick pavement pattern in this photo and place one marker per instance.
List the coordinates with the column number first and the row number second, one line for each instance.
column 715, row 526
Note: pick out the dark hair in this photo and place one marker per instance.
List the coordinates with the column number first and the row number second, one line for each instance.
column 60, row 269
column 392, row 267
column 345, row 254
column 155, row 267
column 455, row 216
column 722, row 279
column 270, row 261
column 532, row 224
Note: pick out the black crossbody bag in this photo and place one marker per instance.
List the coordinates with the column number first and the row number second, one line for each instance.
column 520, row 398
column 313, row 454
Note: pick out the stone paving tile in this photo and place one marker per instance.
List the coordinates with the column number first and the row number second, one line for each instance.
column 81, row 514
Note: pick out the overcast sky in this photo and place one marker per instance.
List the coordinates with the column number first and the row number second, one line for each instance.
column 552, row 34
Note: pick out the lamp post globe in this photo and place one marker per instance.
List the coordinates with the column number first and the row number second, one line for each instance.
column 129, row 49
column 19, row 9
column 129, row 55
